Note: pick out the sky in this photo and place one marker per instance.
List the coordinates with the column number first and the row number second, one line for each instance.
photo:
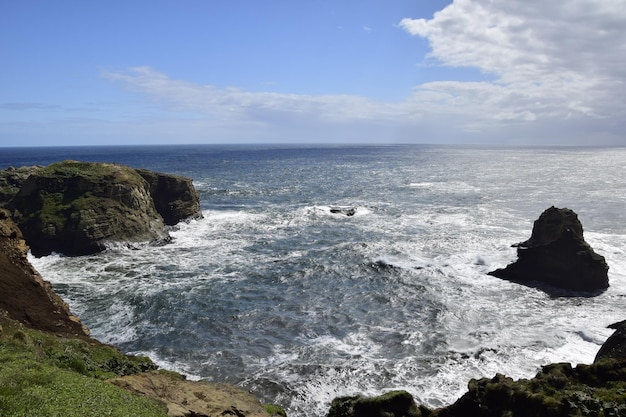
column 505, row 72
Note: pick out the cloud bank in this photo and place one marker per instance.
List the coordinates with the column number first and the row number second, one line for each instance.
column 554, row 72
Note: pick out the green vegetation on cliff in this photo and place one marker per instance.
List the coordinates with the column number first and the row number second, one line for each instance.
column 46, row 375
column 559, row 390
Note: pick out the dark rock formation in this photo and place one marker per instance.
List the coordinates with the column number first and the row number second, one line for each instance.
column 76, row 208
column 557, row 391
column 348, row 211
column 558, row 256
column 175, row 197
column 392, row 404
column 24, row 295
column 615, row 345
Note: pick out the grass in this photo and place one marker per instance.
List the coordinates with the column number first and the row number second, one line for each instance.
column 43, row 375
column 31, row 388
column 89, row 170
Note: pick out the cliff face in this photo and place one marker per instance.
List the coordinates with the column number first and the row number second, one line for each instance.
column 175, row 197
column 76, row 208
column 24, row 295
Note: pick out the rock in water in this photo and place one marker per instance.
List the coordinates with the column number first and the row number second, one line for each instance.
column 75, row 208
column 175, row 197
column 558, row 256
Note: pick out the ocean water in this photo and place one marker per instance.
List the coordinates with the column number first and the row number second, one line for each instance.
column 274, row 292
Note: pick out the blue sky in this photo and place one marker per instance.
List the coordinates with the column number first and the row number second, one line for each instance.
column 244, row 71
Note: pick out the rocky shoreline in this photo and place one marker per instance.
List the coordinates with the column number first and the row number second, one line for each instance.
column 51, row 366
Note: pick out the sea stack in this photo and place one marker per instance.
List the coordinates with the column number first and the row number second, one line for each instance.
column 557, row 255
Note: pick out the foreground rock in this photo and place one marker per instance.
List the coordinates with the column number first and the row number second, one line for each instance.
column 392, row 404
column 557, row 391
column 77, row 208
column 558, row 256
column 199, row 399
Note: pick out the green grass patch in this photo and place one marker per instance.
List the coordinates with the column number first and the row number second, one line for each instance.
column 42, row 374
column 32, row 388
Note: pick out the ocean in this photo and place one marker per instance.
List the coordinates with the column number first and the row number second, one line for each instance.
column 276, row 292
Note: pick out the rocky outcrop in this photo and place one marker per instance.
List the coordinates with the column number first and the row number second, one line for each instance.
column 557, row 255
column 24, row 295
column 187, row 398
column 557, row 391
column 11, row 180
column 175, row 197
column 615, row 345
column 391, row 404
column 77, row 208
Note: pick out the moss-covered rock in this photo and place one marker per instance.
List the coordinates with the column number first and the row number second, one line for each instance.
column 391, row 404
column 76, row 208
column 557, row 391
column 44, row 374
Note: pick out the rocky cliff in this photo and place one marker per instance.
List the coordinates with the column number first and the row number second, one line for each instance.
column 77, row 208
column 24, row 295
column 175, row 197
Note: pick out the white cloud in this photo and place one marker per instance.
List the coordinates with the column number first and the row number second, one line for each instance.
column 550, row 59
column 557, row 72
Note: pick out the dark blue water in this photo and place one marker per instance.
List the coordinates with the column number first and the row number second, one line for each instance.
column 276, row 293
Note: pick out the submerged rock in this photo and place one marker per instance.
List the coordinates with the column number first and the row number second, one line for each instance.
column 558, row 256
column 347, row 211
column 77, row 208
